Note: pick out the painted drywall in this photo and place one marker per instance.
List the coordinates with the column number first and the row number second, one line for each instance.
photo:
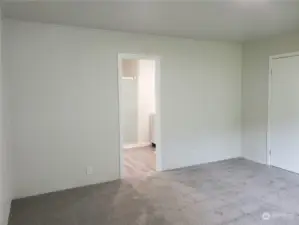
column 130, row 68
column 129, row 111
column 255, row 91
column 138, row 100
column 146, row 98
column 63, row 93
column 5, row 175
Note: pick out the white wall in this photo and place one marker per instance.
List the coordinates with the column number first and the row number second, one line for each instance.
column 129, row 97
column 5, row 175
column 63, row 97
column 129, row 112
column 130, row 68
column 146, row 98
column 255, row 91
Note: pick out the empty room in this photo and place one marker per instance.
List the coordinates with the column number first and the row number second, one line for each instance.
column 149, row 112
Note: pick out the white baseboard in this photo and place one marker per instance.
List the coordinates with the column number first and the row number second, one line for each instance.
column 138, row 145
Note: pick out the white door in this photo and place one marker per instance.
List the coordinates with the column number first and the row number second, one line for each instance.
column 284, row 113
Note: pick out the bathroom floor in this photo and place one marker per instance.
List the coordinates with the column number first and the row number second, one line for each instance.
column 139, row 162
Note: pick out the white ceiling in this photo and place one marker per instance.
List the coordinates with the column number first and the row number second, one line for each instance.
column 234, row 20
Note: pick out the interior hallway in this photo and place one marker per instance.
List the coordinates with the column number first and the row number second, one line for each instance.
column 139, row 162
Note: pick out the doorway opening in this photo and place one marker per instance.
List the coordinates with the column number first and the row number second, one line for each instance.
column 139, row 115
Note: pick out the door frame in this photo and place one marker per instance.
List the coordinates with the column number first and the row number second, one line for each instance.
column 158, row 151
column 271, row 59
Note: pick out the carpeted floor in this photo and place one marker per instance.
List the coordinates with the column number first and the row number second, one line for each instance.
column 231, row 192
